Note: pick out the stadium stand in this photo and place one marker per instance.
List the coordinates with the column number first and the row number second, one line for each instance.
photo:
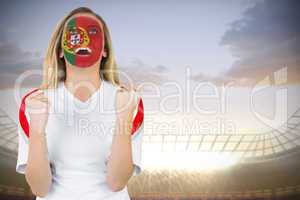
column 268, row 168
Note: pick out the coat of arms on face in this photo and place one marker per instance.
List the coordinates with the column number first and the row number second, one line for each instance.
column 83, row 41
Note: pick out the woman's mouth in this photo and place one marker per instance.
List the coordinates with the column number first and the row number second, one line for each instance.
column 83, row 51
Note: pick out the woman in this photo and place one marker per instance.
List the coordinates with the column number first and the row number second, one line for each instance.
column 80, row 132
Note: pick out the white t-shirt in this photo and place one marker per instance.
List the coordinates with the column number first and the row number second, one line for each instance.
column 79, row 137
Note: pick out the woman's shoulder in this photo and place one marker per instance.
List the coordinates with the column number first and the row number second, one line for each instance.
column 122, row 88
column 45, row 90
column 109, row 86
column 52, row 93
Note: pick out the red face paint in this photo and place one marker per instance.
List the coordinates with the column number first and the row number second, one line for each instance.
column 83, row 41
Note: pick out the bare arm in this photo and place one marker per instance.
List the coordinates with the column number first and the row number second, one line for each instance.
column 38, row 173
column 120, row 164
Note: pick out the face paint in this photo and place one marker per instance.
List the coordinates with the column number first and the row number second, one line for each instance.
column 83, row 41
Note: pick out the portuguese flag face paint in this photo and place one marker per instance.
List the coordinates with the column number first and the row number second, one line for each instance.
column 83, row 41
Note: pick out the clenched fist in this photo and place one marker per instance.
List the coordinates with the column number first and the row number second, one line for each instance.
column 38, row 109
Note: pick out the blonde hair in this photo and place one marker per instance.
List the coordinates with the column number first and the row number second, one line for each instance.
column 54, row 69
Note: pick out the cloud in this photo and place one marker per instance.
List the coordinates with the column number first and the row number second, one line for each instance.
column 264, row 40
column 14, row 61
column 223, row 80
column 139, row 73
column 11, row 53
column 161, row 68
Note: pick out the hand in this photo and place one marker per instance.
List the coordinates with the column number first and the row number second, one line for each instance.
column 126, row 103
column 38, row 108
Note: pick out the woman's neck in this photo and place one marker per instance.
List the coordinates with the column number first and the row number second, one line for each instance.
column 82, row 82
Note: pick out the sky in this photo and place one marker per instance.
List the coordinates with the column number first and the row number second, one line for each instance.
column 158, row 34
column 221, row 41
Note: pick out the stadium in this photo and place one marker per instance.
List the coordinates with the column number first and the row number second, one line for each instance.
column 268, row 167
column 220, row 83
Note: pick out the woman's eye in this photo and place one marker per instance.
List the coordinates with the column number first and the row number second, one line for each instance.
column 93, row 31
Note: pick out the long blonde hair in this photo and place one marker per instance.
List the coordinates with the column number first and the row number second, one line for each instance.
column 54, row 69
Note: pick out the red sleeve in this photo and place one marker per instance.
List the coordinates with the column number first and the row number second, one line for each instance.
column 139, row 117
column 22, row 117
